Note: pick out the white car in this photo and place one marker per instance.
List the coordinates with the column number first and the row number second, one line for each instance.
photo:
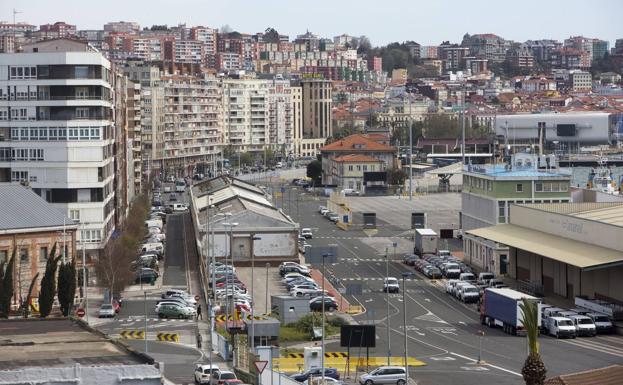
column 160, row 304
column 187, row 298
column 391, row 285
column 307, row 233
column 203, row 373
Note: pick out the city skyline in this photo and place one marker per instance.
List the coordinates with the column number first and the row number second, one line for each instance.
column 344, row 18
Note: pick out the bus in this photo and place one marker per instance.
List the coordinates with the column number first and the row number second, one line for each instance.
column 180, row 185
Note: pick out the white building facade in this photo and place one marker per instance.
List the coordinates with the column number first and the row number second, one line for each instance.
column 56, row 119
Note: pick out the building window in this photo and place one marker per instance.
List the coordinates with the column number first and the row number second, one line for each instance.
column 82, row 113
column 502, row 211
column 4, row 255
column 519, row 187
column 74, row 215
column 43, row 254
column 23, row 255
column 81, row 72
column 350, row 167
column 538, row 187
column 18, row 176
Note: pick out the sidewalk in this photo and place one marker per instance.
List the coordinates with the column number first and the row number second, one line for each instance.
column 343, row 304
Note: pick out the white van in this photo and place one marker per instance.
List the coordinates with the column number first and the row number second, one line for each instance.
column 602, row 323
column 584, row 325
column 179, row 207
column 560, row 327
column 154, row 223
column 152, row 247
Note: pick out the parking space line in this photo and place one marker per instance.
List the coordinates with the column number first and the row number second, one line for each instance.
column 489, row 365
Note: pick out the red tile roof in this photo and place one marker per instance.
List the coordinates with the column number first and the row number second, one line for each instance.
column 356, row 158
column 357, row 143
column 610, row 375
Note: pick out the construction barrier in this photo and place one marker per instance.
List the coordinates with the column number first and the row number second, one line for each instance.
column 169, row 337
column 237, row 317
column 327, row 355
column 133, row 334
column 295, row 364
column 354, row 309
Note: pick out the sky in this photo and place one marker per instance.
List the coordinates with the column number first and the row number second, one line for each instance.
column 427, row 22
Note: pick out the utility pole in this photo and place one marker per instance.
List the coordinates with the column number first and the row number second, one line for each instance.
column 389, row 352
column 410, row 151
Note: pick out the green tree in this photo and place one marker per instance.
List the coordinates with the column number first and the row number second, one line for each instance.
column 533, row 370
column 314, row 171
column 7, row 287
column 271, row 35
column 67, row 286
column 48, row 284
column 396, row 176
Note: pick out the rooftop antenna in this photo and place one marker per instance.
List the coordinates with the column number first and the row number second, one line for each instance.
column 15, row 12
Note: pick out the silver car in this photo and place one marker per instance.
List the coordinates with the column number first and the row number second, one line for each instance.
column 106, row 311
column 385, row 375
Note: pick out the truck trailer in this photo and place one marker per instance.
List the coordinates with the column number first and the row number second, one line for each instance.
column 500, row 308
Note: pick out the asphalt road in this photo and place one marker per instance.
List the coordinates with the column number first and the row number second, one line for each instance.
column 441, row 331
column 179, row 271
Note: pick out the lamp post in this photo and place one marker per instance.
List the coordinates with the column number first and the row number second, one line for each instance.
column 324, row 256
column 231, row 226
column 405, row 275
column 266, row 303
column 252, row 339
column 84, row 273
column 386, row 288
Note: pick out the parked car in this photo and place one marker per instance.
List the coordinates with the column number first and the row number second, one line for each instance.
column 602, row 323
column 385, row 375
column 469, row 293
column 584, row 325
column 330, row 304
column 410, row 259
column 326, row 381
column 171, row 292
column 467, row 277
column 316, row 372
column 433, row 273
column 323, row 210
column 451, row 270
column 485, row 278
column 306, row 233
column 333, row 217
column 220, row 376
column 146, row 275
column 391, row 285
column 560, row 327
column 106, row 311
column 176, row 311
column 350, row 191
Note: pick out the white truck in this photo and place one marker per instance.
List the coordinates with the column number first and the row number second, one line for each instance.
column 425, row 241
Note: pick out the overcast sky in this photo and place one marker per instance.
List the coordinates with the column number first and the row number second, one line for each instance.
column 424, row 21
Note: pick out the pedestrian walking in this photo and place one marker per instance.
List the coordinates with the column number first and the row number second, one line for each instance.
column 199, row 312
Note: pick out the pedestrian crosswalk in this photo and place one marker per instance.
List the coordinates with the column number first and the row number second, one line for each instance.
column 357, row 238
column 371, row 260
column 611, row 345
column 155, row 319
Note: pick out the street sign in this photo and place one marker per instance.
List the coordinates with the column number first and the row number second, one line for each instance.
column 80, row 312
column 260, row 366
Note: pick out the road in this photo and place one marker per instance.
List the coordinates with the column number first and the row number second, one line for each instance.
column 179, row 271
column 441, row 331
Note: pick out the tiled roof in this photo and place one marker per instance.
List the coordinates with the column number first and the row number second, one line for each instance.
column 357, row 143
column 356, row 158
column 21, row 208
column 610, row 375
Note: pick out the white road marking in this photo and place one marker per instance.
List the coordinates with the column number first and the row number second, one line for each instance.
column 489, row 365
column 443, row 358
column 475, row 368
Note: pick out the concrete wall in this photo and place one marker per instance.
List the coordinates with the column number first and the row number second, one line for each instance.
column 477, row 211
column 582, row 230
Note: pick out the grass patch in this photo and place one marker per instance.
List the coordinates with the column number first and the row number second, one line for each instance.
column 292, row 334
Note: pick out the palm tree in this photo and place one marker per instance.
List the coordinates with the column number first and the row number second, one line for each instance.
column 533, row 370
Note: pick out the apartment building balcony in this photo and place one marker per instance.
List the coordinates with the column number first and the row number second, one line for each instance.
column 73, row 113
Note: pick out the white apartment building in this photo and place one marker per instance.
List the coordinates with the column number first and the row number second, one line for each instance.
column 152, row 113
column 192, row 117
column 57, row 131
column 581, row 81
column 261, row 114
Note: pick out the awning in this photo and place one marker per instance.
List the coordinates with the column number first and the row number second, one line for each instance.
column 565, row 250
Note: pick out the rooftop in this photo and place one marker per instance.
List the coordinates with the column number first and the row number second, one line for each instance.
column 606, row 212
column 500, row 170
column 21, row 208
column 357, row 158
column 58, row 343
column 357, row 143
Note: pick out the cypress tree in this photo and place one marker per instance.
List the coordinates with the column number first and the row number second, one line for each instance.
column 7, row 287
column 48, row 285
column 67, row 286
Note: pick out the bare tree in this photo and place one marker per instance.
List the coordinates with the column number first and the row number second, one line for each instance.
column 113, row 266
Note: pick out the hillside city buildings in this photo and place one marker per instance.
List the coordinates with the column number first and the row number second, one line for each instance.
column 88, row 116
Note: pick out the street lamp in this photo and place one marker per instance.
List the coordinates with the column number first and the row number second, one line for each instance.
column 253, row 239
column 84, row 273
column 386, row 288
column 405, row 275
column 324, row 256
column 231, row 226
column 266, row 303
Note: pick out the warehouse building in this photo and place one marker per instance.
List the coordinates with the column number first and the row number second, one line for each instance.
column 569, row 249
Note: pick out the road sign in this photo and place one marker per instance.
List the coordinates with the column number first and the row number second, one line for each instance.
column 260, row 366
column 80, row 312
column 197, row 298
